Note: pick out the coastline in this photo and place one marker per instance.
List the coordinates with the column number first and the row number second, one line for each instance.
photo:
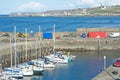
column 95, row 11
column 64, row 16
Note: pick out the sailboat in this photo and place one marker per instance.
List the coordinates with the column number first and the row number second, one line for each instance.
column 37, row 69
column 42, row 61
column 13, row 72
column 30, row 67
column 26, row 70
column 57, row 57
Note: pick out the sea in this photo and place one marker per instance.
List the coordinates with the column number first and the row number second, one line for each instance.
column 87, row 64
column 69, row 24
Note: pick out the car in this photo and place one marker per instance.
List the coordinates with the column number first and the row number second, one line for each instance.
column 117, row 63
column 83, row 35
column 5, row 34
column 114, row 35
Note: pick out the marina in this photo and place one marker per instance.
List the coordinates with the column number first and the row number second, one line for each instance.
column 79, row 54
column 32, row 49
column 83, row 67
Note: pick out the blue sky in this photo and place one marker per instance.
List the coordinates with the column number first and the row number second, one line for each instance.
column 9, row 6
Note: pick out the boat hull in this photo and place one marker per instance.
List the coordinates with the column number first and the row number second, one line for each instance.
column 36, row 72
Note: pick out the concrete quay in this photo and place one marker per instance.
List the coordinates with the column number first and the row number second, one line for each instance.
column 68, row 41
column 111, row 73
column 66, row 44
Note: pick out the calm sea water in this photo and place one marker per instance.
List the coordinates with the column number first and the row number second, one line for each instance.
column 87, row 64
column 62, row 23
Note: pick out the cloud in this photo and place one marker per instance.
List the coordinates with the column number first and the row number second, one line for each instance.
column 32, row 6
column 112, row 2
column 95, row 3
column 71, row 5
column 88, row 3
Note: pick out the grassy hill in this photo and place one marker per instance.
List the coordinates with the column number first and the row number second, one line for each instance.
column 108, row 10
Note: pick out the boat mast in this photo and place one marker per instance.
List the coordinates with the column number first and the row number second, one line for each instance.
column 11, row 52
column 54, row 39
column 0, row 52
column 40, row 41
column 0, row 57
column 15, row 44
column 36, row 42
column 26, row 41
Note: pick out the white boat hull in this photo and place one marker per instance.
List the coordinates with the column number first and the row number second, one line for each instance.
column 27, row 72
column 37, row 70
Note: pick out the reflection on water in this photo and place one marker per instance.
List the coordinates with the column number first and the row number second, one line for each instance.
column 86, row 66
column 37, row 78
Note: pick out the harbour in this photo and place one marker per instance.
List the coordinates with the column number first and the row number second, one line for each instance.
column 67, row 42
column 89, row 52
column 83, row 67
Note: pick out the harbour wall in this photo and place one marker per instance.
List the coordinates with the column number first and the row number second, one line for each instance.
column 68, row 41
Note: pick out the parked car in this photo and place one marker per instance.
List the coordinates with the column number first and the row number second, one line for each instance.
column 117, row 63
column 114, row 34
column 5, row 34
column 83, row 35
column 22, row 35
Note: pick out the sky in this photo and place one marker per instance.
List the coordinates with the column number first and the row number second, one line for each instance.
column 11, row 6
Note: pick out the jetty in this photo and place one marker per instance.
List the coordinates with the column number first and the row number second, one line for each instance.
column 65, row 41
column 111, row 73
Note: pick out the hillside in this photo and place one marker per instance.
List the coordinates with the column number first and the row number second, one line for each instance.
column 101, row 10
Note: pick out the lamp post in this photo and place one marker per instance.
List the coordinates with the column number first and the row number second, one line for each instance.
column 104, row 62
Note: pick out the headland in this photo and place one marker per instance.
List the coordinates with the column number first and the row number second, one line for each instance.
column 101, row 10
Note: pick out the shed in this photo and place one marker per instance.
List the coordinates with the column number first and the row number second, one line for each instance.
column 97, row 34
column 47, row 36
